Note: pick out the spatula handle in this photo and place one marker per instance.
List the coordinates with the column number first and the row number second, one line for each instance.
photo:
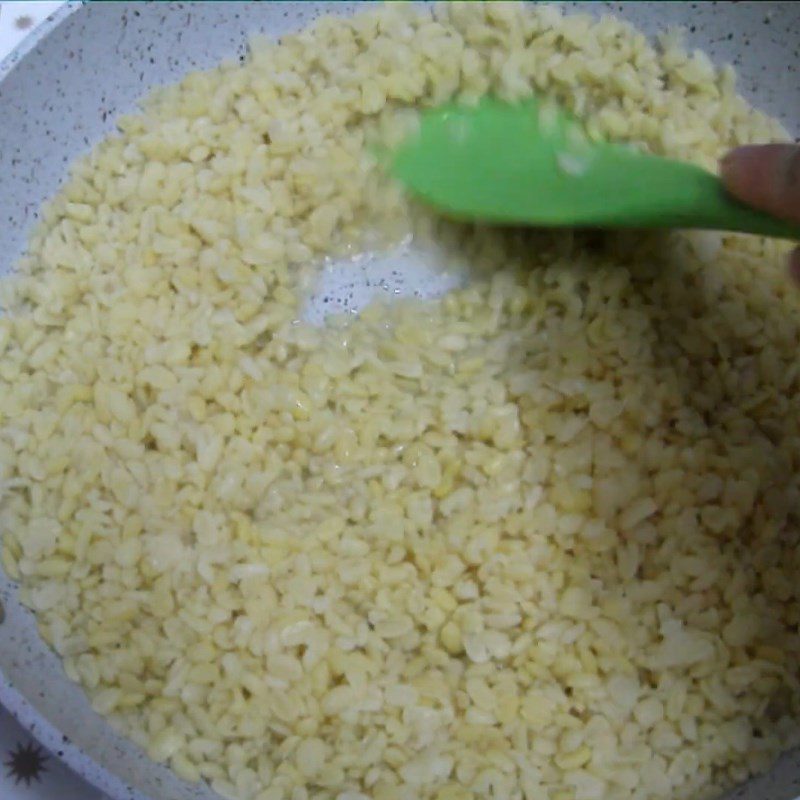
column 701, row 201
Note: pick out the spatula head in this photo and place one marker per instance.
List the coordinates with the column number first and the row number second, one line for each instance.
column 531, row 164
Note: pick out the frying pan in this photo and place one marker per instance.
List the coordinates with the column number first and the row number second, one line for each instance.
column 61, row 91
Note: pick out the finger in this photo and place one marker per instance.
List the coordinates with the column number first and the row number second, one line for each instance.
column 794, row 265
column 765, row 176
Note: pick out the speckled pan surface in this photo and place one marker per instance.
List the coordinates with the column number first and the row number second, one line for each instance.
column 61, row 92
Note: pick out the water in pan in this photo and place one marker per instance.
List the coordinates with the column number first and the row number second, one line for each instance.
column 346, row 285
column 41, row 133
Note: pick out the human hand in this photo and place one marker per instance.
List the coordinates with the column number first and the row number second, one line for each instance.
column 767, row 177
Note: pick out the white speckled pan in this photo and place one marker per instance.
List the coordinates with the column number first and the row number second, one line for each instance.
column 60, row 93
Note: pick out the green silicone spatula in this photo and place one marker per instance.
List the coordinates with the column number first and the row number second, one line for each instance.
column 530, row 164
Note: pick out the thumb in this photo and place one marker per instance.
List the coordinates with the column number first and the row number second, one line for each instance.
column 765, row 176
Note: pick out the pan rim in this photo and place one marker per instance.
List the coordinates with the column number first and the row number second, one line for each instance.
column 12, row 700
